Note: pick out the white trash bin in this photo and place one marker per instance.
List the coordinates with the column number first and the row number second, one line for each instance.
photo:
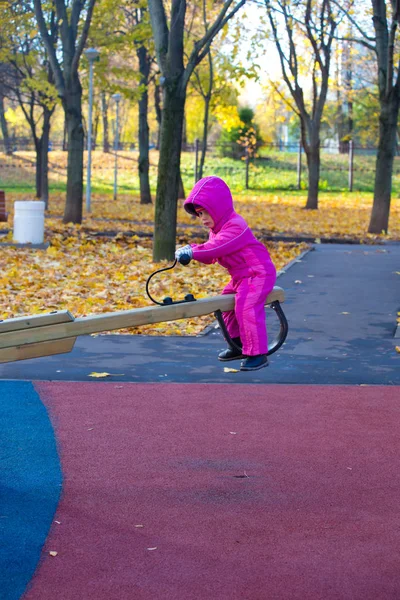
column 29, row 221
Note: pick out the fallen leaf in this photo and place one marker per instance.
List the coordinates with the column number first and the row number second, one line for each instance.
column 228, row 370
column 53, row 553
column 98, row 375
column 139, row 525
column 344, row 313
column 397, row 349
column 298, row 281
column 155, row 548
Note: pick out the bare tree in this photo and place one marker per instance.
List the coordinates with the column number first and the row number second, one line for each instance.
column 145, row 62
column 291, row 24
column 4, row 124
column 74, row 17
column 344, row 92
column 104, row 113
column 206, row 94
column 29, row 81
column 175, row 75
column 158, row 109
column 385, row 45
column 134, row 26
column 205, row 90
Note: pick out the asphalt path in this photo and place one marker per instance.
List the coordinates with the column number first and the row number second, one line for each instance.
column 341, row 304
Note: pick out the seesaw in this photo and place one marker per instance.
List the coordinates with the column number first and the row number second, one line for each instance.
column 55, row 332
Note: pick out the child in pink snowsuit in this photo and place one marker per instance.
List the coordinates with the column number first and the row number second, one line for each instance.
column 232, row 244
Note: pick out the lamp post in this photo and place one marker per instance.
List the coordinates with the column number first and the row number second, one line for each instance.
column 91, row 54
column 116, row 97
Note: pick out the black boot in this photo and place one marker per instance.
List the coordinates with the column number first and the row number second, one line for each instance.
column 229, row 353
column 253, row 363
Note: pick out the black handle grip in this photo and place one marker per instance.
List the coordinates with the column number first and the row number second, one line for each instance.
column 184, row 259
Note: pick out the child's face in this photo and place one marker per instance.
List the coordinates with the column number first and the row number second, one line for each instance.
column 205, row 218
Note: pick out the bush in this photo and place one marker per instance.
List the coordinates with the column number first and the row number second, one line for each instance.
column 234, row 142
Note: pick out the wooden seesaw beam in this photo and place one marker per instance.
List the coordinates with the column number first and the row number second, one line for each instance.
column 56, row 332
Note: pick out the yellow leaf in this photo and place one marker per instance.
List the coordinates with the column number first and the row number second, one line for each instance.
column 397, row 349
column 228, row 370
column 51, row 251
column 98, row 375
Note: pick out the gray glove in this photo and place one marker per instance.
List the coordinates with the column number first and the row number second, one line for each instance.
column 183, row 250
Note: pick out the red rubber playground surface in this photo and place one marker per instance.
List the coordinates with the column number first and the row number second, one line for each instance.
column 202, row 491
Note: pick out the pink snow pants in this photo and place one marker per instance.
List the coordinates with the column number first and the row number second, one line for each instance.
column 247, row 320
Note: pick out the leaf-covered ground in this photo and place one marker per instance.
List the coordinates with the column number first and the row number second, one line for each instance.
column 90, row 275
column 87, row 274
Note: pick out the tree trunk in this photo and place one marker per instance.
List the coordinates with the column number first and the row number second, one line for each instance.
column 144, row 163
column 38, row 181
column 104, row 110
column 205, row 135
column 379, row 221
column 181, row 189
column 72, row 103
column 184, row 135
column 157, row 105
column 44, row 170
column 95, row 130
column 4, row 128
column 313, row 164
column 65, row 136
column 168, row 173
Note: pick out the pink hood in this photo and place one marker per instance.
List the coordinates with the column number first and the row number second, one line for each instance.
column 214, row 195
column 231, row 242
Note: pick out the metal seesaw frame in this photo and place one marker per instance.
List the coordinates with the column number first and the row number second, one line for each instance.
column 276, row 342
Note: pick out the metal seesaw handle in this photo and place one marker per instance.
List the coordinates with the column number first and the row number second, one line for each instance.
column 184, row 260
column 151, row 276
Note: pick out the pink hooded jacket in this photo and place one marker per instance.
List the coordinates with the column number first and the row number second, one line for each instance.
column 231, row 242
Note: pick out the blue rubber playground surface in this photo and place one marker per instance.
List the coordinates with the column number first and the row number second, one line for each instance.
column 31, row 482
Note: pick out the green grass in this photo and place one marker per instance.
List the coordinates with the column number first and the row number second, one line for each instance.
column 278, row 171
column 273, row 171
